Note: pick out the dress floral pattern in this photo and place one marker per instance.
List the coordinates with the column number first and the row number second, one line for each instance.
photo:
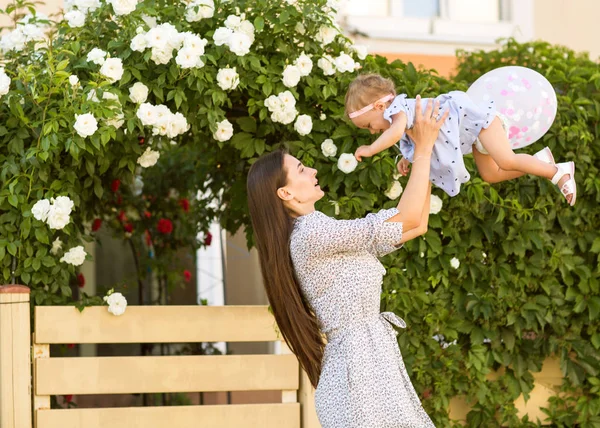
column 363, row 383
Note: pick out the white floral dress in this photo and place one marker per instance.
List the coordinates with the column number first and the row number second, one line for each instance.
column 363, row 383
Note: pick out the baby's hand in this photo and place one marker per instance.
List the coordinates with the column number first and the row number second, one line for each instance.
column 403, row 166
column 363, row 151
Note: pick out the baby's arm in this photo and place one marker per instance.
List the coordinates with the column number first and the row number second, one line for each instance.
column 389, row 137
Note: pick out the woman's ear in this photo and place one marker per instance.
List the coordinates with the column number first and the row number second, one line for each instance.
column 284, row 195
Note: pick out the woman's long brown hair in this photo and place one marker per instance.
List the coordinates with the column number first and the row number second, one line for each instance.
column 273, row 226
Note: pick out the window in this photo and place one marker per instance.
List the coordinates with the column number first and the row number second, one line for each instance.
column 470, row 21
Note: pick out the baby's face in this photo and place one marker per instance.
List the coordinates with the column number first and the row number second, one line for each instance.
column 373, row 120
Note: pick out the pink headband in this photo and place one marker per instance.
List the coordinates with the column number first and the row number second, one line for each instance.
column 370, row 106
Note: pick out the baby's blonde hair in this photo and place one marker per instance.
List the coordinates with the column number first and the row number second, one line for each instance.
column 365, row 89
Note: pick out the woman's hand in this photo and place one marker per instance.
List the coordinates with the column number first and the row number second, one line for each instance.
column 426, row 127
column 403, row 167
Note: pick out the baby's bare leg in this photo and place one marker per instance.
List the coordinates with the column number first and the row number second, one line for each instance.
column 489, row 169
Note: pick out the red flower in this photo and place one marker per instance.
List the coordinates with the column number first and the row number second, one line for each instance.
column 185, row 204
column 71, row 345
column 141, row 140
column 69, row 398
column 128, row 227
column 148, row 238
column 165, row 226
column 187, row 275
column 119, row 199
column 147, row 214
column 122, row 217
column 114, row 186
column 80, row 280
column 208, row 239
column 96, row 224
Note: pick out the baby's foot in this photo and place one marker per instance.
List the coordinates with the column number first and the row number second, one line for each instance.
column 564, row 178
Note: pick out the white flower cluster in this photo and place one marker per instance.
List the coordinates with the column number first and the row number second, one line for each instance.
column 24, row 33
column 162, row 120
column 199, row 9
column 116, row 302
column 123, row 7
column 302, row 67
column 394, row 191
column 76, row 11
column 439, row 338
column 237, row 35
column 55, row 212
column 164, row 39
column 112, row 68
column 282, row 107
column 148, row 158
column 4, row 82
column 342, row 63
column 228, row 79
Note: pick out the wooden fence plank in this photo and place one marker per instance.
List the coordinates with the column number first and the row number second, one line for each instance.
column 124, row 375
column 214, row 416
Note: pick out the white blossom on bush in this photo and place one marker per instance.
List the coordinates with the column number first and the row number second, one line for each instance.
column 224, row 131
column 24, row 33
column 361, row 51
column 282, row 107
column 139, row 43
column 304, row 64
column 435, row 204
column 73, row 80
column 188, row 58
column 323, row 116
column 85, row 124
column 344, row 62
column 194, row 42
column 56, row 246
column 75, row 18
column 326, row 34
column 199, row 9
column 239, row 43
column 327, row 64
column 238, row 35
column 138, row 93
column 117, row 303
column 454, row 263
column 41, row 209
column 84, row 6
column 394, row 191
column 347, row 163
column 97, row 56
column 227, row 79
column 328, row 148
column 303, row 124
column 112, row 69
column 162, row 120
column 4, row 82
column 291, row 76
column 148, row 158
column 221, row 35
column 123, row 7
column 75, row 256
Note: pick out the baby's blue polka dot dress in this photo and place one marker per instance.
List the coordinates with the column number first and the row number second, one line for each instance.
column 456, row 137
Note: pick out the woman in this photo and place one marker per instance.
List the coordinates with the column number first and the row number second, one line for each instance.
column 322, row 276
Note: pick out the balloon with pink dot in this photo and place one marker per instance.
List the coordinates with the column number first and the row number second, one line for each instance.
column 523, row 96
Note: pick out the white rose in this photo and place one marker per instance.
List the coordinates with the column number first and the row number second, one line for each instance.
column 304, row 64
column 228, row 79
column 157, row 38
column 4, row 82
column 86, row 5
column 233, row 22
column 139, row 43
column 239, row 43
column 112, row 69
column 73, row 80
column 224, row 131
column 435, row 204
column 138, row 93
column 303, row 124
column 148, row 158
column 222, row 35
column 327, row 64
column 75, row 19
column 75, row 256
column 56, row 246
column 85, row 124
column 97, row 56
column 116, row 303
column 344, row 62
column 58, row 215
column 347, row 163
column 41, row 209
column 326, row 34
column 291, row 76
column 150, row 21
column 394, row 191
column 161, row 56
column 123, row 7
column 147, row 114
column 64, row 203
column 194, row 42
column 288, row 116
column 273, row 103
column 247, row 28
column 288, row 100
column 454, row 263
column 328, row 148
column 199, row 9
column 188, row 58
column 361, row 51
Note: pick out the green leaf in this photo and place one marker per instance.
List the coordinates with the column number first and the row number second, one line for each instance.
column 12, row 249
column 259, row 24
column 42, row 235
column 248, row 124
column 13, row 200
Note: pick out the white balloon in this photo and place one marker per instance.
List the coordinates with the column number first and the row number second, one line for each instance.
column 523, row 96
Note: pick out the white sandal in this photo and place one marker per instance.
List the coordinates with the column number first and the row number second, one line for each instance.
column 545, row 155
column 569, row 187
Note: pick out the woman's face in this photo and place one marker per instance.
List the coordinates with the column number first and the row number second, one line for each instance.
column 302, row 185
